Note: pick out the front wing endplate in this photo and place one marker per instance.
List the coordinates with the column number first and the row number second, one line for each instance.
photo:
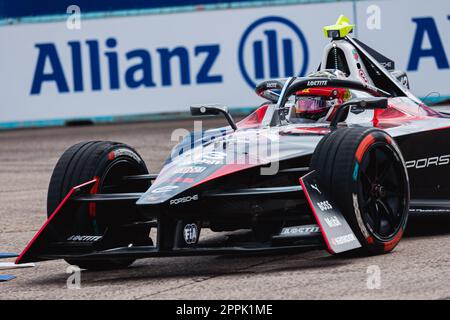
column 336, row 231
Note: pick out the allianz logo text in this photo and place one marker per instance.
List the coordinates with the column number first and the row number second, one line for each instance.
column 138, row 71
column 96, row 65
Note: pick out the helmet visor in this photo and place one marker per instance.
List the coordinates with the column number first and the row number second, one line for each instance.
column 311, row 105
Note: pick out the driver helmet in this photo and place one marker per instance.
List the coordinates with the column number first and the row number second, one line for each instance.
column 319, row 103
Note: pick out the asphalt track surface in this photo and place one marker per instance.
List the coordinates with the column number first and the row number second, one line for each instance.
column 418, row 268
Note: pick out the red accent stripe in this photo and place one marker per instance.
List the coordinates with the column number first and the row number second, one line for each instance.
column 367, row 141
column 330, row 250
column 437, row 129
column 93, row 206
column 225, row 170
column 388, row 246
column 30, row 244
column 253, row 119
column 183, row 180
column 376, row 115
column 389, row 139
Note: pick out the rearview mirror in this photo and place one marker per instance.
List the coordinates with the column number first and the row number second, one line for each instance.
column 359, row 104
column 208, row 110
column 213, row 110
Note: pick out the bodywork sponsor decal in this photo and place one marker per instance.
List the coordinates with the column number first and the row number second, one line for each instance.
column 124, row 152
column 333, row 221
column 324, row 205
column 209, row 158
column 423, row 163
column 421, row 210
column 164, row 189
column 341, row 240
column 190, row 169
column 317, row 83
column 184, row 199
column 161, row 193
column 336, row 231
column 81, row 238
column 362, row 75
column 315, row 187
column 300, row 230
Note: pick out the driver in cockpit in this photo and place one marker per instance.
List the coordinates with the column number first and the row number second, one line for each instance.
column 319, row 104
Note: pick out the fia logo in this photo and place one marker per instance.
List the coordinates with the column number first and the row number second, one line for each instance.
column 272, row 47
column 190, row 233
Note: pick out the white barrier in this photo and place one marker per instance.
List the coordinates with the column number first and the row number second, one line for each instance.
column 416, row 35
column 163, row 63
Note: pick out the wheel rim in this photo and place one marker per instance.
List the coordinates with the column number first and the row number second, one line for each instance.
column 383, row 191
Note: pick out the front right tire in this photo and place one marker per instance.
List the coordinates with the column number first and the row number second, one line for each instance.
column 363, row 171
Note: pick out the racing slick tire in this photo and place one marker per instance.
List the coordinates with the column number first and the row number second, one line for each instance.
column 107, row 162
column 364, row 173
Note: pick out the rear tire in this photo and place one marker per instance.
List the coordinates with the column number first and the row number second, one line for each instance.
column 363, row 171
column 108, row 162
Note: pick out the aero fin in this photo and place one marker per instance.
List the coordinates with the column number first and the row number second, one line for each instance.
column 383, row 60
column 339, row 30
column 48, row 233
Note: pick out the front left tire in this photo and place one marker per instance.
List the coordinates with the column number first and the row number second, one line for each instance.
column 108, row 162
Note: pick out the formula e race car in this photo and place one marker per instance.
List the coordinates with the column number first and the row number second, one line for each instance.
column 334, row 160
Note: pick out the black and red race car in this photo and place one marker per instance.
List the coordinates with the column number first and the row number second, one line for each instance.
column 335, row 160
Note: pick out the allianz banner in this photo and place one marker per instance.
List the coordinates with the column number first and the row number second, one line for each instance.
column 164, row 63
column 416, row 35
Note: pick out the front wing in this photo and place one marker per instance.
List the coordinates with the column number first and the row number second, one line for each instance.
column 55, row 240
